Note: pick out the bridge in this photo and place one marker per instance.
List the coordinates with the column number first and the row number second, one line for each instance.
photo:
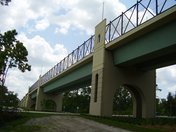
column 125, row 52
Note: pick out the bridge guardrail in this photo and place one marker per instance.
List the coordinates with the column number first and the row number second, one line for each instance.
column 139, row 13
column 78, row 54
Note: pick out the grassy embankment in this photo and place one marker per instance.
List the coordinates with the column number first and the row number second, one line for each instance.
column 137, row 125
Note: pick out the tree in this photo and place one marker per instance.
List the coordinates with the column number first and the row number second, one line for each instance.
column 171, row 104
column 12, row 54
column 77, row 100
column 4, row 2
column 7, row 98
column 8, row 105
column 122, row 101
column 3, row 93
column 12, row 99
column 167, row 106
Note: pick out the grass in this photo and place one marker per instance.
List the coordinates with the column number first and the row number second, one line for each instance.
column 137, row 125
column 17, row 125
column 128, row 123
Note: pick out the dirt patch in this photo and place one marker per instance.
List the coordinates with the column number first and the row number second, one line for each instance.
column 71, row 124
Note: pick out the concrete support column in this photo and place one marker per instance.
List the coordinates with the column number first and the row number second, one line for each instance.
column 145, row 84
column 39, row 99
column 58, row 98
column 29, row 102
column 42, row 97
column 103, row 86
column 142, row 85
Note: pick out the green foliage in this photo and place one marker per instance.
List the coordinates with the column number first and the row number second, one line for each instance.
column 4, row 2
column 6, row 116
column 77, row 100
column 167, row 106
column 7, row 99
column 122, row 102
column 8, row 105
column 49, row 105
column 3, row 92
column 12, row 54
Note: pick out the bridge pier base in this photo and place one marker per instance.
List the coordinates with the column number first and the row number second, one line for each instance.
column 48, row 102
column 106, row 78
column 29, row 102
column 103, row 76
column 142, row 86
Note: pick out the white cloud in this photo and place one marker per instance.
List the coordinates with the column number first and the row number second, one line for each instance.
column 16, row 15
column 40, row 51
column 81, row 14
column 42, row 24
column 166, row 80
column 41, row 56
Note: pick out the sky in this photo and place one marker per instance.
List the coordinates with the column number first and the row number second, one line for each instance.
column 51, row 29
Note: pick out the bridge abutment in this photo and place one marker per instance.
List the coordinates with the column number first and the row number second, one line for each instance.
column 106, row 77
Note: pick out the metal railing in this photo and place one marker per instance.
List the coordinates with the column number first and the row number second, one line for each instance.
column 78, row 54
column 139, row 13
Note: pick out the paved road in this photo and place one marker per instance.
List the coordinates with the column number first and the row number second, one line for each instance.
column 71, row 124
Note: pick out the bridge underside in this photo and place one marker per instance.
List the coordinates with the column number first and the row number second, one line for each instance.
column 80, row 83
column 80, row 77
column 33, row 95
column 154, row 50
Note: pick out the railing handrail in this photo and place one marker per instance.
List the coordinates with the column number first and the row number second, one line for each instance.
column 121, row 24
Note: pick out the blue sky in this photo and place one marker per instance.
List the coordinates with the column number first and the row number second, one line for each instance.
column 50, row 29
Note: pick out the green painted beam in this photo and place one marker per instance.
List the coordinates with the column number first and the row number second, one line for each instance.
column 155, row 44
column 77, row 78
column 34, row 95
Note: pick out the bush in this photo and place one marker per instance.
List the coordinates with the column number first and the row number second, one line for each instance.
column 8, row 116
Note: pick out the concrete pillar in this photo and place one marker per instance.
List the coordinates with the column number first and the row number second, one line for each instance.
column 26, row 104
column 29, row 102
column 142, row 85
column 103, row 86
column 106, row 78
column 42, row 97
column 39, row 99
column 58, row 100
